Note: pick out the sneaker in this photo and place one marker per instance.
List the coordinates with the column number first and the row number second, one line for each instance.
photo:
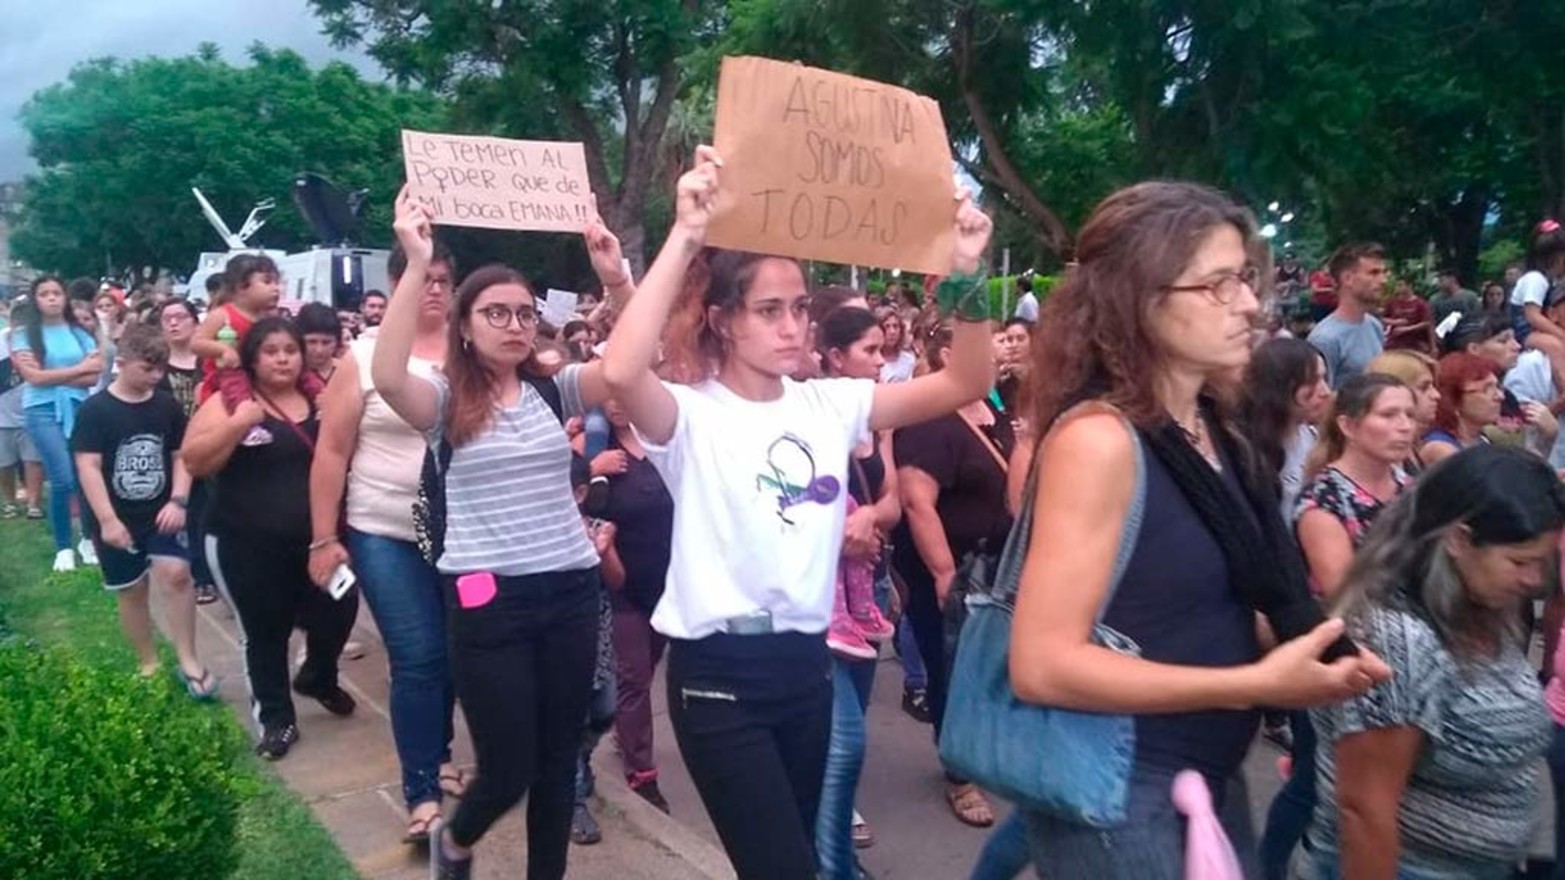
column 873, row 625
column 333, row 698
column 584, row 828
column 649, row 792
column 276, row 741
column 10, row 511
column 35, row 513
column 65, row 560
column 915, row 702
column 844, row 638
column 442, row 866
column 206, row 594
column 86, row 552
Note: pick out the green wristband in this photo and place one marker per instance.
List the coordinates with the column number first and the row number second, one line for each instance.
column 964, row 297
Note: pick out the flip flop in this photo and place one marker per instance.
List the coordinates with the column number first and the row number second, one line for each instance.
column 418, row 830
column 202, row 688
column 454, row 782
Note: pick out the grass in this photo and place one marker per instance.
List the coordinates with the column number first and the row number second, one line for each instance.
column 279, row 836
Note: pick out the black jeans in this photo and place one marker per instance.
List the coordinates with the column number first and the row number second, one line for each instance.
column 268, row 584
column 522, row 665
column 752, row 715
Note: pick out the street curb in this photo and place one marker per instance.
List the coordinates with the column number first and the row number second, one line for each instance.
column 706, row 861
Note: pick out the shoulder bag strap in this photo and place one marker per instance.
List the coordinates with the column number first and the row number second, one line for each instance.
column 988, row 443
column 1008, row 578
column 282, row 416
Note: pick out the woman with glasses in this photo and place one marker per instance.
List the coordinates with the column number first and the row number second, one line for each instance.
column 520, row 574
column 178, row 320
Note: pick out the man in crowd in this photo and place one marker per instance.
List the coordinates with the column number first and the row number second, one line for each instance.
column 1450, row 296
column 1350, row 337
column 1408, row 324
column 372, row 308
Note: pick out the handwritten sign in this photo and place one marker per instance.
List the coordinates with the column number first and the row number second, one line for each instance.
column 559, row 307
column 496, row 183
column 825, row 166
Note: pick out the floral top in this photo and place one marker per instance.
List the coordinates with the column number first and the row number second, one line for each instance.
column 1336, row 493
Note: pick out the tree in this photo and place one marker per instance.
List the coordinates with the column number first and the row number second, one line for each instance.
column 121, row 144
column 602, row 72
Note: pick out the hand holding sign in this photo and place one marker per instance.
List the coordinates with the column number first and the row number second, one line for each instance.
column 413, row 229
column 971, row 239
column 696, row 199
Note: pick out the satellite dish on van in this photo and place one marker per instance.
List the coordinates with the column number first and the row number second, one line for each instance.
column 331, row 213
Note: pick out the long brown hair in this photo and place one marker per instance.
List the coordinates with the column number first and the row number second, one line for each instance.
column 1094, row 334
column 474, row 389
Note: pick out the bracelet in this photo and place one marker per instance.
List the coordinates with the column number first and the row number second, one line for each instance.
column 179, row 501
column 621, row 282
column 324, row 542
column 964, row 297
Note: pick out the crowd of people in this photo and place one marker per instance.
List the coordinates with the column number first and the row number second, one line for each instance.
column 766, row 481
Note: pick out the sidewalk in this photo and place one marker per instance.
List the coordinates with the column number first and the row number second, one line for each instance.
column 346, row 770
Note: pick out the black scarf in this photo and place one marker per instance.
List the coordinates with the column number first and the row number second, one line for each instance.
column 1265, row 567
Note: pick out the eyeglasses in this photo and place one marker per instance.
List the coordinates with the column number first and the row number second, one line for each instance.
column 499, row 317
column 1225, row 288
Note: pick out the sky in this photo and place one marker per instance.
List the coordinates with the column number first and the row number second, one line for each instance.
column 41, row 40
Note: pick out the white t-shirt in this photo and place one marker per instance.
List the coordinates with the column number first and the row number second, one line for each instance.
column 899, row 368
column 1530, row 288
column 1532, row 379
column 1296, row 453
column 759, row 500
column 1027, row 307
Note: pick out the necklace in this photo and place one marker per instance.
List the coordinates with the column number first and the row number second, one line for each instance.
column 1195, row 435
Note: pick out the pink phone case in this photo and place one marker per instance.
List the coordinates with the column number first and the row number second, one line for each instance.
column 475, row 590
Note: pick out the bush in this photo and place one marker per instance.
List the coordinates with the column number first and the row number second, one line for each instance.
column 103, row 774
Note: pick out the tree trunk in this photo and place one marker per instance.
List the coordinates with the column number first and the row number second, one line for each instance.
column 1051, row 231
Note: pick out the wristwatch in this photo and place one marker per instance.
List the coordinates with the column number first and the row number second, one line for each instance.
column 179, row 501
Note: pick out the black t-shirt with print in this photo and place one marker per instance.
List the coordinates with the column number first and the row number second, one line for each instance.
column 182, row 383
column 972, row 484
column 137, row 442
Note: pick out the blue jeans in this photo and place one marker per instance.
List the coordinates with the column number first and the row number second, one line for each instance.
column 851, row 681
column 913, row 677
column 1005, row 856
column 1294, row 807
column 600, row 718
column 1557, row 773
column 405, row 598
column 1150, row 844
column 59, row 468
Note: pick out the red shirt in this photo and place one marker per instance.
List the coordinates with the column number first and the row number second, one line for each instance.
column 1323, row 289
column 1410, row 310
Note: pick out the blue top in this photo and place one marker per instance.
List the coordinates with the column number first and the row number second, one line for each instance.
column 1176, row 602
column 64, row 347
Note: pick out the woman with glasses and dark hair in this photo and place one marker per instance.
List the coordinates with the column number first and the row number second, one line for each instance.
column 519, row 572
column 178, row 319
column 1434, row 773
column 1155, row 317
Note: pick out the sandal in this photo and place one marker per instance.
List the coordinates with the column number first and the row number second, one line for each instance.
column 202, row 688
column 970, row 805
column 863, row 838
column 420, row 827
column 454, row 781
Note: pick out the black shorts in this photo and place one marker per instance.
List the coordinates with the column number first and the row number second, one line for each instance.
column 123, row 569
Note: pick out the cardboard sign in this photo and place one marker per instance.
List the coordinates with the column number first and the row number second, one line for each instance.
column 559, row 306
column 825, row 166
column 496, row 183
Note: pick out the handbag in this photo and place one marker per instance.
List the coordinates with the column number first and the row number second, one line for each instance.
column 1070, row 764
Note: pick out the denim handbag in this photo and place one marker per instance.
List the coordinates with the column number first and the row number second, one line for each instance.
column 1070, row 764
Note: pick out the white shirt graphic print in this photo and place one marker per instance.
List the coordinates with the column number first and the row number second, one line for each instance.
column 139, row 474
column 759, row 492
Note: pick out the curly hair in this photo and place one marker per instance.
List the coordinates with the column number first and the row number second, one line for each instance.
column 1095, row 333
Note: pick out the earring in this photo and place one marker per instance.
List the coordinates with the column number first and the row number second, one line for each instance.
column 467, row 344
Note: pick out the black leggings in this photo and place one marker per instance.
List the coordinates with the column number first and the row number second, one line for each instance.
column 752, row 715
column 267, row 582
column 522, row 665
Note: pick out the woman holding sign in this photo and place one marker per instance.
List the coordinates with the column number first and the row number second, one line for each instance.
column 518, row 572
column 757, row 464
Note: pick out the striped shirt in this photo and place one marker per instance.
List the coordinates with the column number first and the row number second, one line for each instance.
column 509, row 505
column 1472, row 799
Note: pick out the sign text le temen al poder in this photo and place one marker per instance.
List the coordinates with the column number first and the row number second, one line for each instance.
column 825, row 166
column 497, row 183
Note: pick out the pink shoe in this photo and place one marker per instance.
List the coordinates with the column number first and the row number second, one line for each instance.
column 843, row 635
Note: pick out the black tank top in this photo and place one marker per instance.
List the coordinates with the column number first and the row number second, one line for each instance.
column 265, row 487
column 1176, row 601
column 874, row 468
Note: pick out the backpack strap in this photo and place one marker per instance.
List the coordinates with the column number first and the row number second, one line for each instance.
column 550, row 393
